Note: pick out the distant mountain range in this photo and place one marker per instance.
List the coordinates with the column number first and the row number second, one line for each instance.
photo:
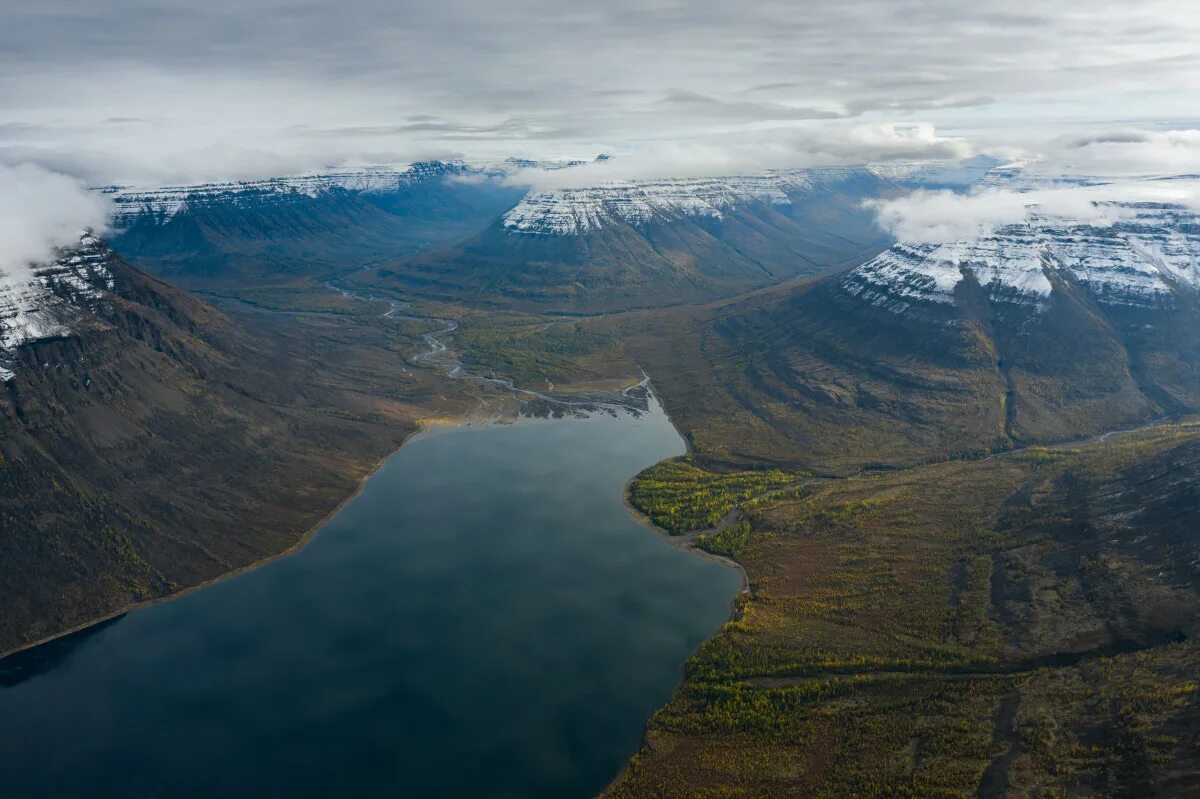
column 449, row 230
column 311, row 226
column 650, row 243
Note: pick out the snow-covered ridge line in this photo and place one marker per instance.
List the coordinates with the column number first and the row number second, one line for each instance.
column 562, row 211
column 53, row 299
column 166, row 201
column 576, row 210
column 1142, row 260
column 571, row 211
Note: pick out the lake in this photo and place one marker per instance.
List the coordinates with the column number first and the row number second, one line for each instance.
column 484, row 620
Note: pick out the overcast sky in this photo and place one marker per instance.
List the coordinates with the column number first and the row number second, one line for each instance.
column 163, row 90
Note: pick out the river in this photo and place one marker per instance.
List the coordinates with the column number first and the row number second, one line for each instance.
column 485, row 619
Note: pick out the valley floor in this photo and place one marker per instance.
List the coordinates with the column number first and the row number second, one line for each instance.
column 1020, row 623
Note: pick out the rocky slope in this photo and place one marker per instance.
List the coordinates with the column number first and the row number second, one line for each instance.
column 149, row 443
column 53, row 300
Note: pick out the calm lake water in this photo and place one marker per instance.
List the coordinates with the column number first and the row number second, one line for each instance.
column 484, row 620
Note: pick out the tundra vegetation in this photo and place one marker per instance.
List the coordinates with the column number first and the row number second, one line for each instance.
column 1016, row 626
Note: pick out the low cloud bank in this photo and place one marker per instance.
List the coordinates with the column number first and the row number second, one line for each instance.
column 824, row 146
column 933, row 217
column 1125, row 153
column 40, row 211
column 1109, row 171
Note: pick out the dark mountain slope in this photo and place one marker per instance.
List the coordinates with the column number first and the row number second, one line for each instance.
column 912, row 357
column 151, row 443
column 236, row 234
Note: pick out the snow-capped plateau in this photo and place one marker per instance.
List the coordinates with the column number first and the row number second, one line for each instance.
column 163, row 203
column 1143, row 258
column 552, row 212
column 53, row 299
column 566, row 212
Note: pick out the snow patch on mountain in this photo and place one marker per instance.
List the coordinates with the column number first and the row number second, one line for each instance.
column 52, row 299
column 1009, row 266
column 567, row 212
column 1124, row 252
column 163, row 203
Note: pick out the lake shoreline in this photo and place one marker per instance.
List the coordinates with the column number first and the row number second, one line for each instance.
column 684, row 543
column 303, row 541
column 423, row 425
column 298, row 630
column 297, row 546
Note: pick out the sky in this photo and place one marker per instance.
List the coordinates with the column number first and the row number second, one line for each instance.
column 163, row 90
column 153, row 92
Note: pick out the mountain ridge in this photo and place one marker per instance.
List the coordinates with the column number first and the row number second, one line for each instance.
column 692, row 240
column 1036, row 332
column 306, row 228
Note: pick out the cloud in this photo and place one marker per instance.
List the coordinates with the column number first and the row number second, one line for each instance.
column 1091, row 179
column 884, row 142
column 931, row 217
column 756, row 152
column 152, row 91
column 934, row 217
column 682, row 101
column 1128, row 153
column 41, row 211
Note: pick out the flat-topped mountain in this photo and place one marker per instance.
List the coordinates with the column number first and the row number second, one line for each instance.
column 309, row 226
column 1144, row 260
column 1049, row 329
column 574, row 211
column 655, row 242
